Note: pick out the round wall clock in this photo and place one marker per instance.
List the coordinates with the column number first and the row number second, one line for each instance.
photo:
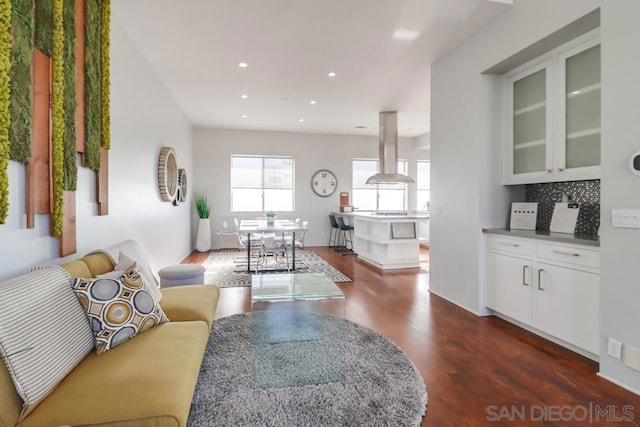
column 324, row 183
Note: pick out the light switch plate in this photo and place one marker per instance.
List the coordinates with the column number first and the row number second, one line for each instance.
column 625, row 218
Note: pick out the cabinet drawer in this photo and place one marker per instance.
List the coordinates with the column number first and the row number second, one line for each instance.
column 522, row 247
column 569, row 255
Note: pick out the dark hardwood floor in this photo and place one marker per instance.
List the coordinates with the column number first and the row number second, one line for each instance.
column 479, row 371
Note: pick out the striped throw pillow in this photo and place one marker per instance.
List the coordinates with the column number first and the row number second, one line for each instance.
column 44, row 332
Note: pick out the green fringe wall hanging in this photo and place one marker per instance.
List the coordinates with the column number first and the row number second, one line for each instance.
column 105, row 29
column 5, row 68
column 20, row 80
column 92, row 85
column 70, row 161
column 44, row 26
column 57, row 169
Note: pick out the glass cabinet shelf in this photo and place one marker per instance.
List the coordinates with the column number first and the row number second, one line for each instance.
column 580, row 134
column 583, row 91
column 530, row 144
column 530, row 108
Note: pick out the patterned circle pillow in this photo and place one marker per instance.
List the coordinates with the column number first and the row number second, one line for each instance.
column 118, row 309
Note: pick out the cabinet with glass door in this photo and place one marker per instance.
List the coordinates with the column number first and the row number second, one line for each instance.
column 553, row 116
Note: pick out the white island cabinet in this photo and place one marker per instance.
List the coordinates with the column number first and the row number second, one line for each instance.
column 387, row 241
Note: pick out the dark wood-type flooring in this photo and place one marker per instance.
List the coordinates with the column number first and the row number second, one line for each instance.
column 472, row 366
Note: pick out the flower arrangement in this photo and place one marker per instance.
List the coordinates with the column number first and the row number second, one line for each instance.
column 270, row 214
column 202, row 205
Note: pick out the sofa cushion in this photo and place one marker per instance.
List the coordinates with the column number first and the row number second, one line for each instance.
column 148, row 381
column 133, row 250
column 44, row 332
column 118, row 309
column 190, row 302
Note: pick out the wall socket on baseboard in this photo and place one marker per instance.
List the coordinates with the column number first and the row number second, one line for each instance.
column 614, row 349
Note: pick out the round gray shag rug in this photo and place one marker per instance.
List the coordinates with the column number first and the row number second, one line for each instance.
column 285, row 368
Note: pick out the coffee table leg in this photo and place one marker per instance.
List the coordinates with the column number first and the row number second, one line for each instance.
column 249, row 253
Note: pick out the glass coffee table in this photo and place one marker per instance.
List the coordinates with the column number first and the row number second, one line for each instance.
column 288, row 330
column 305, row 292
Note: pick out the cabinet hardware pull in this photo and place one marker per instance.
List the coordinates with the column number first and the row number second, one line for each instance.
column 540, row 270
column 549, row 170
column 524, row 274
column 515, row 245
column 560, row 169
column 565, row 253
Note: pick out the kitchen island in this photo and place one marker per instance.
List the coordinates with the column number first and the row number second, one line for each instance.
column 387, row 240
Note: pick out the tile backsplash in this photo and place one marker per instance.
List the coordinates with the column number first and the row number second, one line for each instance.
column 587, row 193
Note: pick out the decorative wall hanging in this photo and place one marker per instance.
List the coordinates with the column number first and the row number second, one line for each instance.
column 57, row 106
column 167, row 174
column 70, row 159
column 182, row 182
column 105, row 42
column 93, row 78
column 43, row 34
column 5, row 68
column 20, row 80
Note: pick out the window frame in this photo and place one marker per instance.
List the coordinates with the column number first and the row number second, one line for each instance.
column 262, row 188
column 422, row 189
column 405, row 189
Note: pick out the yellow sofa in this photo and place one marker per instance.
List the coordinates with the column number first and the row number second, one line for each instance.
column 147, row 381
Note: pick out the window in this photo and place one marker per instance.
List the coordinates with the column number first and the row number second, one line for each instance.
column 261, row 184
column 423, row 184
column 383, row 197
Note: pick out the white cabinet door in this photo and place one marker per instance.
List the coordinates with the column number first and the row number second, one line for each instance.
column 552, row 123
column 509, row 286
column 566, row 305
column 528, row 152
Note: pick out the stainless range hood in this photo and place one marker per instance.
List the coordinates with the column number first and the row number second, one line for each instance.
column 388, row 158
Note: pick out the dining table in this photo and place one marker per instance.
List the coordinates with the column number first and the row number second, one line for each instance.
column 250, row 227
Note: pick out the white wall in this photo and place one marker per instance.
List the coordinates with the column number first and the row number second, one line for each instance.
column 466, row 138
column 144, row 118
column 212, row 158
column 619, row 284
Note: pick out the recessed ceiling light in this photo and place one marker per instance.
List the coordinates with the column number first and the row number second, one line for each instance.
column 284, row 99
column 331, row 74
column 243, row 65
column 244, row 96
column 313, row 102
column 244, row 116
column 410, row 128
column 301, row 120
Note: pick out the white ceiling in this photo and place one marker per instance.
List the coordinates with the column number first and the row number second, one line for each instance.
column 195, row 47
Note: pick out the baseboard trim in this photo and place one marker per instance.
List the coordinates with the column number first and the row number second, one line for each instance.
column 618, row 383
column 456, row 303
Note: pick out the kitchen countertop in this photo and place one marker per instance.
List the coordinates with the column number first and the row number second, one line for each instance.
column 371, row 215
column 578, row 239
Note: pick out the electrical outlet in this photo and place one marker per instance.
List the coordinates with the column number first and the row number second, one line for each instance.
column 614, row 349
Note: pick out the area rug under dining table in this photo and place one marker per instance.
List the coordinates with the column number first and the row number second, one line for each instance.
column 285, row 368
column 229, row 268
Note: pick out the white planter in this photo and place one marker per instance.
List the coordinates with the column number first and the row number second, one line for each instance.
column 271, row 220
column 203, row 236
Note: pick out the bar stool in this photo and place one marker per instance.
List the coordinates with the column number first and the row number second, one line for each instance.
column 347, row 236
column 333, row 237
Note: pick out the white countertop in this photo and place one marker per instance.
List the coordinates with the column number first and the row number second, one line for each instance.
column 372, row 216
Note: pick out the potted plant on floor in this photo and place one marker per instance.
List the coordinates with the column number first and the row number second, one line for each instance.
column 271, row 217
column 203, row 236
